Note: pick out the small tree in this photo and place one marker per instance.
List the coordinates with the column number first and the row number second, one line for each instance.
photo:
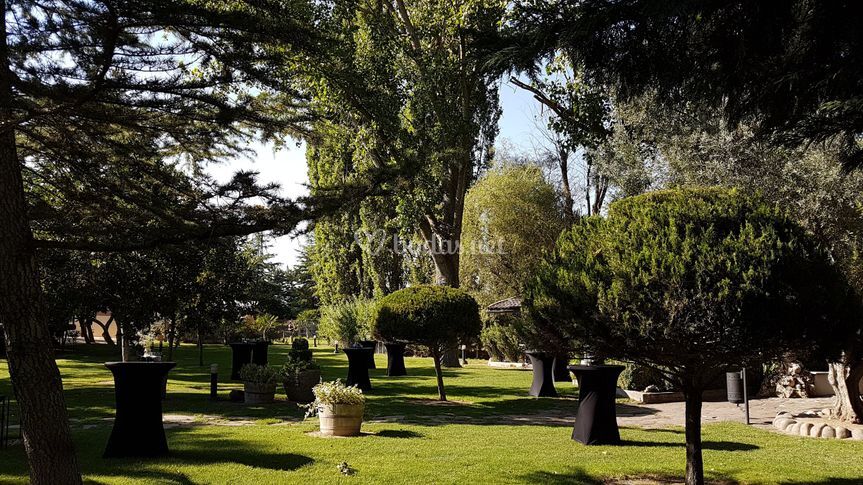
column 692, row 283
column 346, row 321
column 437, row 317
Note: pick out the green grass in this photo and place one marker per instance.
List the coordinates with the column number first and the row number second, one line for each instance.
column 485, row 436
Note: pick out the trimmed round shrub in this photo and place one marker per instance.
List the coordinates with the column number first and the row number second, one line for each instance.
column 436, row 317
column 300, row 343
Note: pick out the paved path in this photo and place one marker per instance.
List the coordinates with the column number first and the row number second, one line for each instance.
column 761, row 412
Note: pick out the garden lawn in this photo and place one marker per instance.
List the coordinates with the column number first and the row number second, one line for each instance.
column 490, row 433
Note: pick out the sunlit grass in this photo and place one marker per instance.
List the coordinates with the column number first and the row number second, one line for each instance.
column 410, row 438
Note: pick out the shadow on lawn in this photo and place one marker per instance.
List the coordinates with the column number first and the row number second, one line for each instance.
column 578, row 476
column 398, row 433
column 707, row 445
column 200, row 449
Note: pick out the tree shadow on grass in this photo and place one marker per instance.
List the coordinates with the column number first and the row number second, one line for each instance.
column 199, row 449
column 399, row 433
column 577, row 476
column 573, row 476
column 707, row 445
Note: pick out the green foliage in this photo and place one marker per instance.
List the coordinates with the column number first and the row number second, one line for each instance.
column 335, row 392
column 638, row 378
column 296, row 363
column 259, row 374
column 433, row 316
column 347, row 321
column 512, row 217
column 502, row 337
column 300, row 350
column 743, row 59
column 694, row 279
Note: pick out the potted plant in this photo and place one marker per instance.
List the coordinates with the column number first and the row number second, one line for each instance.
column 299, row 378
column 339, row 407
column 259, row 383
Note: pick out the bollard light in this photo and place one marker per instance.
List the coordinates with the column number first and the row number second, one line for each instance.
column 214, row 382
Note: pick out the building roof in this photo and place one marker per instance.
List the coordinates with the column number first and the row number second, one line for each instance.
column 508, row 305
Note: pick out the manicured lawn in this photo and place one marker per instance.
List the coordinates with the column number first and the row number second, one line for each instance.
column 491, row 433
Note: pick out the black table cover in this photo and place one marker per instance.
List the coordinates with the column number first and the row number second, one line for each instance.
column 243, row 353
column 395, row 359
column 138, row 427
column 543, row 380
column 596, row 421
column 370, row 344
column 259, row 353
column 358, row 367
column 561, row 373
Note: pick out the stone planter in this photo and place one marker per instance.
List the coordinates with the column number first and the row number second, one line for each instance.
column 341, row 419
column 259, row 393
column 300, row 389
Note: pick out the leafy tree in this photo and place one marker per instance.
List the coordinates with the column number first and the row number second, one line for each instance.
column 346, row 321
column 437, row 317
column 693, row 146
column 512, row 216
column 577, row 119
column 264, row 323
column 422, row 100
column 746, row 59
column 97, row 97
column 693, row 282
column 308, row 321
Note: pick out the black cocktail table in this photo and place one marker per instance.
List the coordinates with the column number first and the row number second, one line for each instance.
column 138, row 427
column 243, row 353
column 395, row 359
column 543, row 380
column 561, row 373
column 596, row 421
column 358, row 367
column 370, row 344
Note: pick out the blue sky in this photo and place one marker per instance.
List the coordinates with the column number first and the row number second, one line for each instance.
column 287, row 167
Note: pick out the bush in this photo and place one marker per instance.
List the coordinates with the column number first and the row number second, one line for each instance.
column 638, row 377
column 694, row 281
column 347, row 321
column 436, row 317
column 502, row 339
column 300, row 343
column 295, row 364
column 259, row 374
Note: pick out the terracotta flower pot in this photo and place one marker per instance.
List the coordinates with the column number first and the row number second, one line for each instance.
column 341, row 419
column 300, row 389
column 257, row 393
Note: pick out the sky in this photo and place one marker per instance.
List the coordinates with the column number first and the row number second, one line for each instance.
column 287, row 166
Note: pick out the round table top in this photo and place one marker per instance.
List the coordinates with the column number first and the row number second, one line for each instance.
column 140, row 366
column 590, row 368
column 356, row 349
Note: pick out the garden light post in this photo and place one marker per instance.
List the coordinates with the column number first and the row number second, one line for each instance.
column 737, row 392
column 214, row 382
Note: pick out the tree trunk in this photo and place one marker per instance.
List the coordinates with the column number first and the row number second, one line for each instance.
column 441, row 392
column 694, row 462
column 200, row 349
column 171, row 327
column 106, row 329
column 845, row 380
column 35, row 378
column 86, row 326
column 568, row 201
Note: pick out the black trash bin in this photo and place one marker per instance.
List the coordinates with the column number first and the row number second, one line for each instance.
column 734, row 385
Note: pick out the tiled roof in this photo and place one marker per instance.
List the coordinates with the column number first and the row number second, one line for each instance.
column 512, row 304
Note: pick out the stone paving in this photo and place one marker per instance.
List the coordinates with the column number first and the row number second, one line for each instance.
column 761, row 412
